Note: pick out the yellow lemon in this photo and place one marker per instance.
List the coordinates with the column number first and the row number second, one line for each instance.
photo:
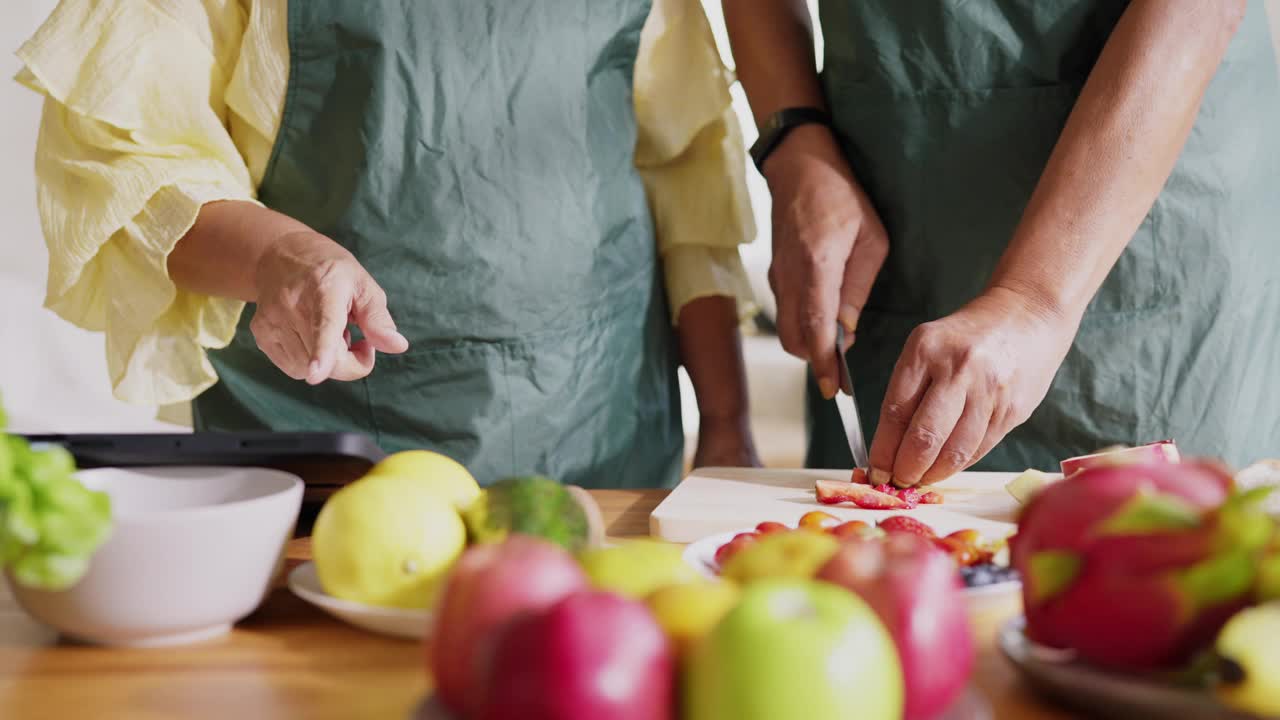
column 637, row 567
column 388, row 541
column 443, row 474
column 688, row 611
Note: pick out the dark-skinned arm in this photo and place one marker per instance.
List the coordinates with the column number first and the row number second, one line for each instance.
column 711, row 351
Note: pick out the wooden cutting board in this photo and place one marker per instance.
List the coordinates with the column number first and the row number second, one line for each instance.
column 718, row 500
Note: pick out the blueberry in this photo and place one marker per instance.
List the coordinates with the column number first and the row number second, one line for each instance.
column 1006, row 574
column 980, row 576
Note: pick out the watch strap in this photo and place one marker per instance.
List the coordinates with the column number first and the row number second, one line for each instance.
column 778, row 125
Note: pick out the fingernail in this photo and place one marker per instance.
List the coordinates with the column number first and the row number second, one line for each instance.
column 880, row 477
column 848, row 318
column 827, row 388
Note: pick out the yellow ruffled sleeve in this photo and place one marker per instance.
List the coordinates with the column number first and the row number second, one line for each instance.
column 133, row 140
column 691, row 156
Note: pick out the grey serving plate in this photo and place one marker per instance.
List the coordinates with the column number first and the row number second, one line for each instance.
column 1103, row 694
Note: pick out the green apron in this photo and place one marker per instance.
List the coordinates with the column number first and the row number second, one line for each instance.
column 948, row 111
column 477, row 157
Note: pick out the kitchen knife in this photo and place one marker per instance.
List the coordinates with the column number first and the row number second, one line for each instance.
column 848, row 407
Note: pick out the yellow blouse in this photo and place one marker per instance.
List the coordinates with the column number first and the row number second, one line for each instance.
column 155, row 107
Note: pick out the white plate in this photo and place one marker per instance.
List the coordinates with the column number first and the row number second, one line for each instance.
column 701, row 555
column 395, row 622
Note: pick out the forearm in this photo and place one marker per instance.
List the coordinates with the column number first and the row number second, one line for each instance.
column 1117, row 150
column 772, row 43
column 711, row 351
column 219, row 254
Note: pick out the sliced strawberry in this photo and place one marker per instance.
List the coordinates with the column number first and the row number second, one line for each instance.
column 910, row 496
column 860, row 477
column 904, row 524
column 931, row 498
column 887, row 489
column 834, row 492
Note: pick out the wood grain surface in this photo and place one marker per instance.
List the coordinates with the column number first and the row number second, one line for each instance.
column 289, row 660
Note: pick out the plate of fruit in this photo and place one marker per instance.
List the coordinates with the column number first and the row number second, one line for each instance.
column 982, row 562
column 383, row 545
column 1151, row 589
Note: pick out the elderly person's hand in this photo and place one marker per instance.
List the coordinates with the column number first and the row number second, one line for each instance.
column 309, row 288
column 963, row 382
column 828, row 246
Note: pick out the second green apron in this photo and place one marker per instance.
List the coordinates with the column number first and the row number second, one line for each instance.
column 477, row 157
column 948, row 111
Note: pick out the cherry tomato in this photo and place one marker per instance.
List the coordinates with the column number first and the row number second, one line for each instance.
column 738, row 542
column 769, row 526
column 968, row 536
column 963, row 553
column 817, row 520
column 852, row 528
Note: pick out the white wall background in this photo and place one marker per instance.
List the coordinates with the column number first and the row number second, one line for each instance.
column 53, row 376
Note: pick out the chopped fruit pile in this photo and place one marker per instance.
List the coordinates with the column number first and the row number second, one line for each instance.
column 966, row 546
column 975, row 555
column 880, row 497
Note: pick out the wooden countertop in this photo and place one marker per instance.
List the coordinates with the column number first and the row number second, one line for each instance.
column 291, row 661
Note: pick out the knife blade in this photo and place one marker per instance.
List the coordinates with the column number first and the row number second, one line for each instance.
column 847, row 405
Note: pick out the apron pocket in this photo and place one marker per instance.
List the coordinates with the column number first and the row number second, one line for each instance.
column 452, row 399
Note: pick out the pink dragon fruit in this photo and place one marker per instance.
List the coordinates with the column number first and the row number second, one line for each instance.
column 1136, row 567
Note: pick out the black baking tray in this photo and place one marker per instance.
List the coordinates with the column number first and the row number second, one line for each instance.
column 324, row 461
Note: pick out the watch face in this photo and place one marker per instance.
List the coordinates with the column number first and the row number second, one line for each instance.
column 771, row 124
column 768, row 131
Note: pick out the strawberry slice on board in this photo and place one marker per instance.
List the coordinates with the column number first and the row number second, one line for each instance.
column 834, row 492
column 904, row 524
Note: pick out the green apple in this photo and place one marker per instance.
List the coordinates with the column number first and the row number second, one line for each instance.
column 795, row 649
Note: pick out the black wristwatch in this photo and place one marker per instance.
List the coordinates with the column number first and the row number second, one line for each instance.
column 776, row 127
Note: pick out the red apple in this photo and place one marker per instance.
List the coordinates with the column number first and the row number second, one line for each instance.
column 916, row 592
column 488, row 586
column 592, row 656
column 1164, row 451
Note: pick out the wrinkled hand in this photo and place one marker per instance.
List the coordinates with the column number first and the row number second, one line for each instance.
column 828, row 247
column 725, row 443
column 309, row 289
column 962, row 383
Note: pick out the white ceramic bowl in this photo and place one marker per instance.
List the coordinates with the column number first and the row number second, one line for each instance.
column 193, row 550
